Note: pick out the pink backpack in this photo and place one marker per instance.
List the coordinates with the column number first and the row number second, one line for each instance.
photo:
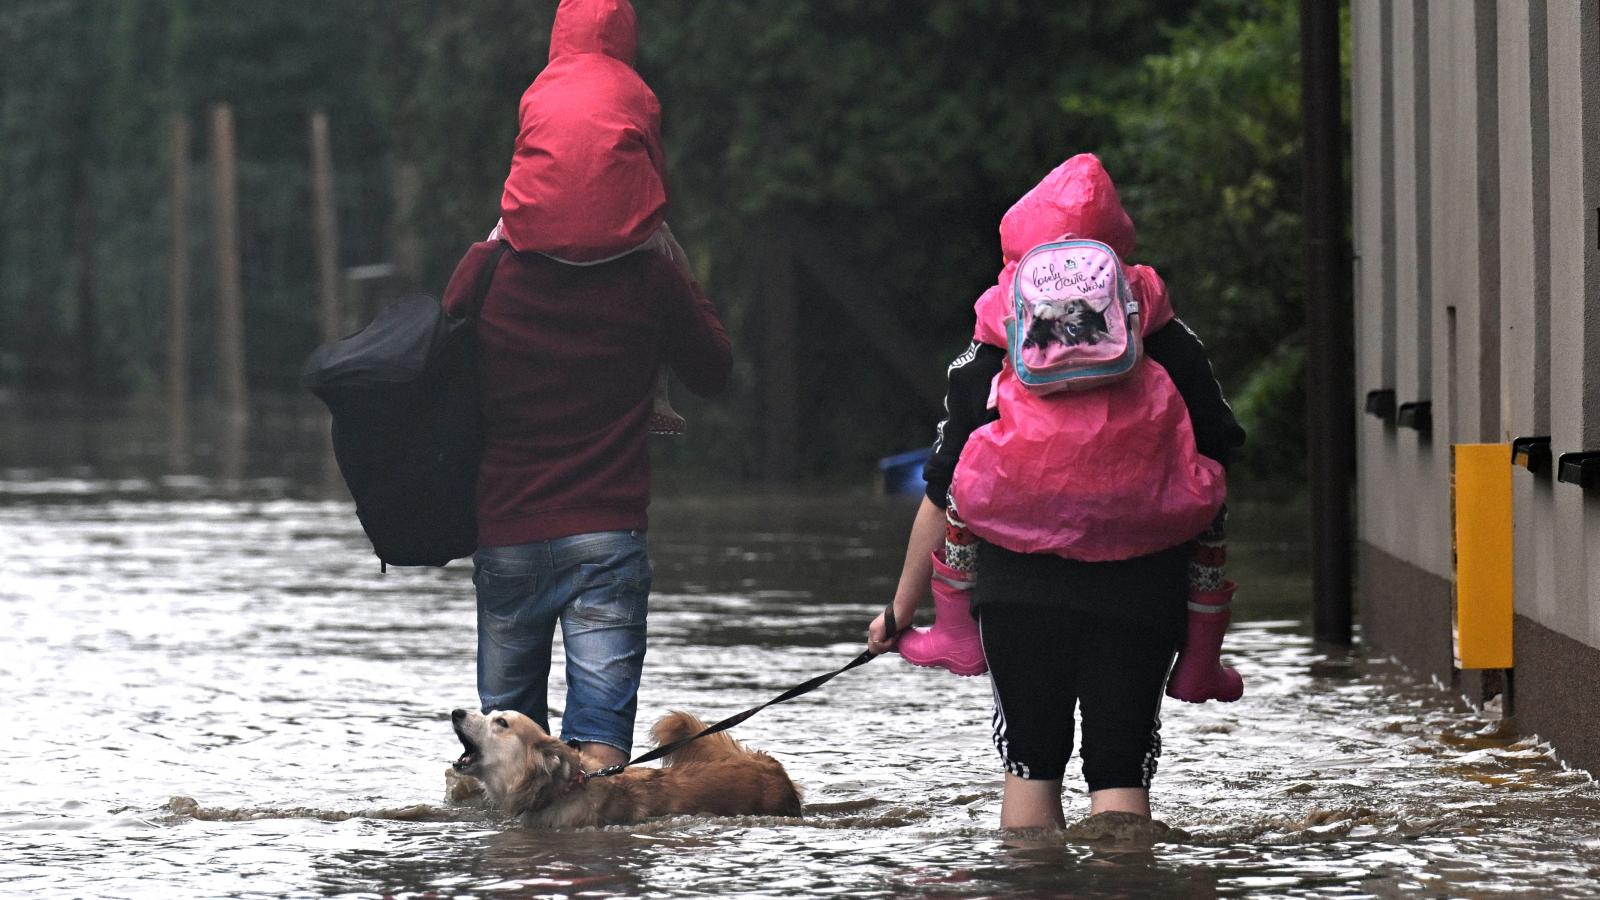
column 1074, row 323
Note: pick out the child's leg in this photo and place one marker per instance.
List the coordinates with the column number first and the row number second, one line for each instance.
column 1200, row 675
column 1207, row 567
column 1121, row 669
column 953, row 642
column 1033, row 675
column 663, row 418
column 960, row 544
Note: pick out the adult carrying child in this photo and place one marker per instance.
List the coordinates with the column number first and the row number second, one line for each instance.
column 572, row 333
column 1081, row 462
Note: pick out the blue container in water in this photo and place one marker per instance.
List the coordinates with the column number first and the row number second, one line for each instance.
column 902, row 473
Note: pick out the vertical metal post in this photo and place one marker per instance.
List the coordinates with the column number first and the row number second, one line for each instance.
column 85, row 222
column 225, row 253
column 780, row 391
column 406, row 234
column 1329, row 378
column 325, row 227
column 178, row 295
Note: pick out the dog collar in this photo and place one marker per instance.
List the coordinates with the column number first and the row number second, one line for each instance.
column 581, row 779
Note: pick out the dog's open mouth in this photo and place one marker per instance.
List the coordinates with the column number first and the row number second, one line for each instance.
column 470, row 752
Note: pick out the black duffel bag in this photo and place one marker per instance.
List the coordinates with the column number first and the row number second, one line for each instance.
column 407, row 431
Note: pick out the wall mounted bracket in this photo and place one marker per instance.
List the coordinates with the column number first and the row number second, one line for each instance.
column 1581, row 469
column 1380, row 403
column 1532, row 453
column 1416, row 415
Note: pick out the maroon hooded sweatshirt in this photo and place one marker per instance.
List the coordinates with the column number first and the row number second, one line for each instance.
column 569, row 354
column 588, row 177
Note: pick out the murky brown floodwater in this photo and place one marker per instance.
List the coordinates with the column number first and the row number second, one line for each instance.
column 229, row 639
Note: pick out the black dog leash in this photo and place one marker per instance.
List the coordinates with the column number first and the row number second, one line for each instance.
column 804, row 687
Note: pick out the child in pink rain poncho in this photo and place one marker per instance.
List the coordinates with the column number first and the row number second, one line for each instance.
column 1088, row 538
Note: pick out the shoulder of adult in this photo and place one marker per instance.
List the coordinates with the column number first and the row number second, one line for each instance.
column 669, row 282
column 1176, row 348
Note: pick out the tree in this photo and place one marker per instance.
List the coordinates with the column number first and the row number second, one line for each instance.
column 902, row 131
column 1208, row 157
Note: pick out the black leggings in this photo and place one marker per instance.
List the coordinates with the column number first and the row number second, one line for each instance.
column 1044, row 660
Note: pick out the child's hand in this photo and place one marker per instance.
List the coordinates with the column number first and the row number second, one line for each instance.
column 674, row 252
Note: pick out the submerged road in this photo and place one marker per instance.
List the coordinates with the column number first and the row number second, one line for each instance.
column 162, row 641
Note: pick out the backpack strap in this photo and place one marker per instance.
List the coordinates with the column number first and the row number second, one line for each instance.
column 479, row 263
column 486, row 277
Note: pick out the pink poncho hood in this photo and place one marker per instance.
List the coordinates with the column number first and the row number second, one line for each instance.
column 1103, row 474
column 1078, row 200
column 588, row 179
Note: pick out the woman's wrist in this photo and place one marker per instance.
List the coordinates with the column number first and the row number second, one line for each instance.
column 907, row 602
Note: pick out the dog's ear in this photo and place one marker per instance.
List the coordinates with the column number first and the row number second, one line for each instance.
column 552, row 757
column 548, row 767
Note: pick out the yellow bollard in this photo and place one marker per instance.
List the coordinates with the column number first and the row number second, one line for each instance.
column 1480, row 500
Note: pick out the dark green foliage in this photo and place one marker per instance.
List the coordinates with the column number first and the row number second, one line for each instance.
column 1272, row 405
column 1208, row 158
column 87, row 88
column 445, row 80
column 46, row 100
column 903, row 130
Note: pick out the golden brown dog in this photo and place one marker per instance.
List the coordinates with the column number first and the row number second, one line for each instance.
column 527, row 773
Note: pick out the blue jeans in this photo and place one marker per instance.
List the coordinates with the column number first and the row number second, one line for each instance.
column 597, row 586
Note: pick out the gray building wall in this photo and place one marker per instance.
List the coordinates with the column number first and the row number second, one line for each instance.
column 1476, row 127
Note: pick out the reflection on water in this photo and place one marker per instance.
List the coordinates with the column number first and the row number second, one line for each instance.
column 229, row 639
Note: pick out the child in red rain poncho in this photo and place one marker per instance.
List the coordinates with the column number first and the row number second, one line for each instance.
column 588, row 177
column 1087, row 542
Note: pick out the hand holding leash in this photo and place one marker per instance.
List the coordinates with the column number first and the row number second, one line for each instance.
column 885, row 630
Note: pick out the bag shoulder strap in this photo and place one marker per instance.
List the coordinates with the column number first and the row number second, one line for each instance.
column 480, row 287
column 486, row 277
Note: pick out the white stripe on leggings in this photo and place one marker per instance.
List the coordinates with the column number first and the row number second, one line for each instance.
column 1147, row 769
column 1001, row 743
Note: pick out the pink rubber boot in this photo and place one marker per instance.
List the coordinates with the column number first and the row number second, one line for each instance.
column 953, row 642
column 1199, row 674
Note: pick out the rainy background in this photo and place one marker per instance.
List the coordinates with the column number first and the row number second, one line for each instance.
column 214, row 692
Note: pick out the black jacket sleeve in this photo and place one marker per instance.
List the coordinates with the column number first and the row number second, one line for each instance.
column 966, row 403
column 1216, row 432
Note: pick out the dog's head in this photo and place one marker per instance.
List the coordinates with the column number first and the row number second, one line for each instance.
column 522, row 768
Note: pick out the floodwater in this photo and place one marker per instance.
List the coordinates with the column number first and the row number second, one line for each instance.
column 228, row 638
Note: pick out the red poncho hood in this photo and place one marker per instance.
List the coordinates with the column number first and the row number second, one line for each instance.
column 588, row 179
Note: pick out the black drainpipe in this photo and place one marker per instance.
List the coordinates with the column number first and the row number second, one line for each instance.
column 1330, row 384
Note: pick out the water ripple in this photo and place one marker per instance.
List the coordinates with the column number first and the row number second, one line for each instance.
column 246, row 653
